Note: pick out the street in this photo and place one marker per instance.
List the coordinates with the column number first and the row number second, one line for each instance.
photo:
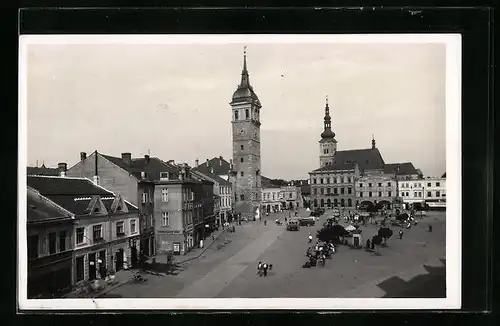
column 231, row 269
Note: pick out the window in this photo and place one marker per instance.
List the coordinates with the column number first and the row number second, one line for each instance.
column 241, row 159
column 349, row 190
column 389, row 194
column 236, row 115
column 361, row 194
column 327, row 180
column 242, row 197
column 335, row 190
column 314, row 181
column 429, row 184
column 97, row 232
column 80, row 233
column 388, row 184
column 80, row 270
column 438, row 194
column 349, row 202
column 275, row 194
column 144, row 197
column 361, row 185
column 164, row 175
column 164, row 219
column 429, row 194
column 438, row 184
column 334, row 180
column 402, row 194
column 369, row 185
column 328, row 190
column 62, row 241
column 241, row 173
column 321, row 180
column 414, row 194
column 33, row 246
column 164, row 195
column 120, row 230
column 342, row 190
column 380, row 193
column 242, row 147
column 315, row 191
column 52, row 243
column 247, row 114
column 321, row 191
column 380, row 184
column 419, row 194
column 415, row 185
column 290, row 195
column 407, row 194
column 369, row 194
column 132, row 226
column 419, row 185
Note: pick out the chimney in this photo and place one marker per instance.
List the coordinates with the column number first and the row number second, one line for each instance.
column 220, row 160
column 146, row 158
column 196, row 163
column 62, row 167
column 83, row 156
column 208, row 163
column 127, row 158
column 171, row 162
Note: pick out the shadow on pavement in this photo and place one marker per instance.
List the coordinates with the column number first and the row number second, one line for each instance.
column 162, row 269
column 430, row 285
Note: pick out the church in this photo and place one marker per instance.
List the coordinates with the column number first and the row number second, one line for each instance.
column 354, row 178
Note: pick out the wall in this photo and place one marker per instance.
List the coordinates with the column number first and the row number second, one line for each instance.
column 111, row 176
column 173, row 207
column 343, row 179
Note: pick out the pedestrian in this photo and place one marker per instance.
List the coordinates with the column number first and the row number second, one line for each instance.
column 234, row 229
column 368, row 244
column 265, row 222
column 264, row 268
column 259, row 269
column 430, row 228
column 213, row 237
column 400, row 234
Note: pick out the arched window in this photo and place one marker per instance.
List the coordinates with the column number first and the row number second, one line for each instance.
column 315, row 202
column 335, row 202
column 247, row 114
column 328, row 202
column 349, row 202
column 236, row 115
column 322, row 202
column 342, row 202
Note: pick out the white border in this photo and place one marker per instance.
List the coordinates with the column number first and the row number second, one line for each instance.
column 453, row 172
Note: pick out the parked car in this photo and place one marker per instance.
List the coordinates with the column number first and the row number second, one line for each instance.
column 292, row 225
column 305, row 221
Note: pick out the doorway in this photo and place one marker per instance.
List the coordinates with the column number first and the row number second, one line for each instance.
column 133, row 252
column 92, row 267
column 102, row 264
column 119, row 260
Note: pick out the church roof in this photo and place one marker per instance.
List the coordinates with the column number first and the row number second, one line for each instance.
column 336, row 166
column 406, row 168
column 367, row 159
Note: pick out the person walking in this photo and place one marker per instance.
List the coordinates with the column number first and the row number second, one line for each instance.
column 259, row 269
column 400, row 234
column 264, row 268
column 430, row 228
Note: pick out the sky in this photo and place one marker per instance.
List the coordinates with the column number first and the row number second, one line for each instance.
column 172, row 100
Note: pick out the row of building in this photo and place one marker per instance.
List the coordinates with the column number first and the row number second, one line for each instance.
column 359, row 178
column 106, row 213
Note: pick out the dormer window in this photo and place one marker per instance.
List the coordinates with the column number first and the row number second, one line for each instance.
column 164, row 176
column 96, row 210
column 247, row 114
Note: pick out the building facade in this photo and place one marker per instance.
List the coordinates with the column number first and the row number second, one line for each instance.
column 271, row 199
column 50, row 247
column 105, row 229
column 125, row 177
column 333, row 185
column 291, row 197
column 245, row 175
column 435, row 192
column 222, row 195
column 377, row 190
column 411, row 191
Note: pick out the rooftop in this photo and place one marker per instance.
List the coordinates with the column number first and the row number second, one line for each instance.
column 219, row 165
column 30, row 170
column 406, row 168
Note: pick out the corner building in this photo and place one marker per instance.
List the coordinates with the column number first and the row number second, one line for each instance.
column 245, row 174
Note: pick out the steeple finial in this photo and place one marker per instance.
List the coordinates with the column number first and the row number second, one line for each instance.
column 327, row 133
column 373, row 142
column 245, row 81
column 326, row 100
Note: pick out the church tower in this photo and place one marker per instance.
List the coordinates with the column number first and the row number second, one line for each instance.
column 327, row 144
column 245, row 175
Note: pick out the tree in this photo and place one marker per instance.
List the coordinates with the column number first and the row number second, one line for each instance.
column 377, row 241
column 385, row 233
column 331, row 233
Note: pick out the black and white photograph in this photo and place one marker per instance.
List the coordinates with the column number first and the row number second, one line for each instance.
column 239, row 172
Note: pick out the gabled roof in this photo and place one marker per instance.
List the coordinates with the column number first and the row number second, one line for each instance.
column 152, row 166
column 218, row 179
column 219, row 164
column 40, row 208
column 406, row 168
column 367, row 159
column 42, row 171
column 72, row 194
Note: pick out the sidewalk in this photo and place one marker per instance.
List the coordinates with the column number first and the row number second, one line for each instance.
column 207, row 243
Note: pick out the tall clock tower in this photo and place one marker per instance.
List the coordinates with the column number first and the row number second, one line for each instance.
column 245, row 176
column 328, row 143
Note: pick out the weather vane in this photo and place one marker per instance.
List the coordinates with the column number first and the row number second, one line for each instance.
column 326, row 99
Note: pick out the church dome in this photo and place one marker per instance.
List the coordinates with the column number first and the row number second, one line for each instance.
column 245, row 94
column 328, row 133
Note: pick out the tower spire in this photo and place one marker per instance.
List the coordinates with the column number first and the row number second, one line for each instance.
column 327, row 133
column 245, row 81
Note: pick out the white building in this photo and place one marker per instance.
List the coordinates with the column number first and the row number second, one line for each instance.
column 435, row 192
column 271, row 202
column 411, row 191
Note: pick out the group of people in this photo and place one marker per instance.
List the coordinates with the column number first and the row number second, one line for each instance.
column 319, row 253
column 263, row 267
